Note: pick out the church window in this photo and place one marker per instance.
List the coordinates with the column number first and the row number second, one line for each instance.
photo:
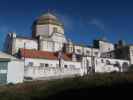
column 107, row 62
column 71, row 49
column 41, row 64
column 46, row 65
column 108, row 55
column 30, row 63
column 65, row 66
column 112, row 55
column 96, row 53
column 88, row 52
column 57, row 65
column 72, row 66
column 78, row 50
column 55, row 30
column 108, row 49
column 102, row 60
column 96, row 62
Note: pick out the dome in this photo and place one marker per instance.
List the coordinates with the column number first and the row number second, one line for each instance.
column 48, row 18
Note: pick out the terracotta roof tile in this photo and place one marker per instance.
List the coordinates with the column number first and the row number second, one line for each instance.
column 27, row 53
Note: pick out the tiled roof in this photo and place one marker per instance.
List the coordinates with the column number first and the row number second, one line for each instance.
column 27, row 53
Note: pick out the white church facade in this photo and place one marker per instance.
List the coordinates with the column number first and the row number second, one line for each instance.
column 48, row 54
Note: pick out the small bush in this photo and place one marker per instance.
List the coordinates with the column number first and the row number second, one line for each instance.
column 10, row 84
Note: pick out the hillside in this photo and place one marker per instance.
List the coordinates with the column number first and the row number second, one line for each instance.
column 99, row 85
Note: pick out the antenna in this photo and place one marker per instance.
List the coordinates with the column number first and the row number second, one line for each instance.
column 53, row 11
column 49, row 11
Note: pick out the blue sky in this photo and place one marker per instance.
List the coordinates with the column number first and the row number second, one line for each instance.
column 84, row 20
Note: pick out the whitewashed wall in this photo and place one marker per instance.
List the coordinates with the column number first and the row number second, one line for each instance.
column 102, row 66
column 19, row 43
column 105, row 46
column 58, row 37
column 47, row 45
column 36, row 71
column 15, row 73
column 58, row 46
column 84, row 50
column 51, row 46
column 55, row 41
column 47, row 30
column 59, row 29
column 131, row 54
column 42, row 30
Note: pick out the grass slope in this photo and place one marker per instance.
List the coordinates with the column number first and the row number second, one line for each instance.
column 99, row 85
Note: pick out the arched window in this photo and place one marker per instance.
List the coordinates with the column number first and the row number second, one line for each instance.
column 117, row 64
column 78, row 50
column 65, row 66
column 46, row 65
column 88, row 52
column 102, row 60
column 125, row 66
column 30, row 64
column 108, row 62
column 88, row 67
column 87, row 62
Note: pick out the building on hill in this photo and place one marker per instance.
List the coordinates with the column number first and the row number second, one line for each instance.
column 48, row 54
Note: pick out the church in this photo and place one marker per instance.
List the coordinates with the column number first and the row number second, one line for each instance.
column 48, row 54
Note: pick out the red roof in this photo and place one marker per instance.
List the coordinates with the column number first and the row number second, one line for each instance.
column 27, row 53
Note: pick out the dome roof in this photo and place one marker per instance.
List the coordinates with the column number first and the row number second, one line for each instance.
column 48, row 18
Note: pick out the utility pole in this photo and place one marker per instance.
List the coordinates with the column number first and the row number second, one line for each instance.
column 92, row 61
column 87, row 66
column 60, row 57
column 24, row 58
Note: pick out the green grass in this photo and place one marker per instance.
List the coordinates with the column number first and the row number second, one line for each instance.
column 68, row 88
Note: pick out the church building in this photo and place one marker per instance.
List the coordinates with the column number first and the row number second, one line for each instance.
column 48, row 54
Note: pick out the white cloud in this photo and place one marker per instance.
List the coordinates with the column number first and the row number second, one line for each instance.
column 67, row 21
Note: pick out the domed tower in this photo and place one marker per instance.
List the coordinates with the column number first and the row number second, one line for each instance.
column 48, row 28
column 45, row 25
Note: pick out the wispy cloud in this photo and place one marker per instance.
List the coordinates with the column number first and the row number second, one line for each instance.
column 67, row 21
column 4, row 29
column 98, row 23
